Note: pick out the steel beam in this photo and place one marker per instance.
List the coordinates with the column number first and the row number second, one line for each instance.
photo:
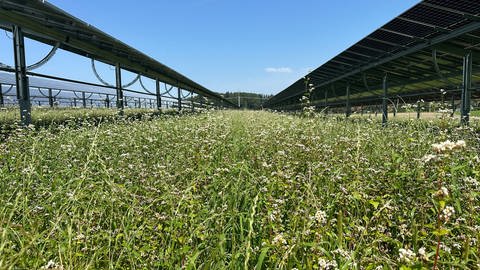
column 385, row 101
column 466, row 88
column 118, row 76
column 23, row 89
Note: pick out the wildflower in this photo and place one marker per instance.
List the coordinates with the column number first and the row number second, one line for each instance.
column 320, row 217
column 422, row 254
column 52, row 265
column 324, row 264
column 447, row 213
column 448, row 146
column 428, row 158
column 278, row 239
column 442, row 192
column 406, row 255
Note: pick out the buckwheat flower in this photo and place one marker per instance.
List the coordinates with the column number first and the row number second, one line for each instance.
column 447, row 213
column 428, row 158
column 422, row 254
column 442, row 192
column 278, row 239
column 320, row 217
column 406, row 255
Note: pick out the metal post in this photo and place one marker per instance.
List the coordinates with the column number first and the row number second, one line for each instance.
column 74, row 102
column 326, row 101
column 107, row 101
column 385, row 104
column 50, row 98
column 349, row 109
column 453, row 105
column 158, row 94
column 419, row 109
column 179, row 99
column 139, row 103
column 191, row 98
column 84, row 100
column 91, row 103
column 466, row 87
column 395, row 108
column 23, row 89
column 118, row 75
column 2, row 103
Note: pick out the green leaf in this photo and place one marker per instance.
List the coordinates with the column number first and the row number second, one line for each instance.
column 258, row 266
column 374, row 203
column 441, row 232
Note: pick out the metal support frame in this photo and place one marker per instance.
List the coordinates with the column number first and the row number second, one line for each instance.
column 118, row 76
column 191, row 98
column 23, row 89
column 2, row 102
column 466, row 88
column 179, row 99
column 385, row 101
column 84, row 100
column 107, row 101
column 419, row 109
column 50, row 98
column 158, row 95
column 453, row 106
column 348, row 107
column 326, row 101
column 74, row 102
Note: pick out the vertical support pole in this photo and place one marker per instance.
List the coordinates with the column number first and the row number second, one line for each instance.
column 84, row 100
column 150, row 103
column 107, row 101
column 2, row 102
column 75, row 102
column 139, row 103
column 50, row 98
column 349, row 109
column 23, row 89
column 326, row 101
column 179, row 99
column 453, row 105
column 91, row 103
column 385, row 104
column 419, row 109
column 118, row 76
column 201, row 101
column 191, row 98
column 158, row 95
column 466, row 87
column 395, row 108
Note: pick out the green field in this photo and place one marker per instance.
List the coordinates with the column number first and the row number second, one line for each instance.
column 240, row 190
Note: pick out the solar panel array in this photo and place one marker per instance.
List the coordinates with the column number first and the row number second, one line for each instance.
column 420, row 50
column 46, row 23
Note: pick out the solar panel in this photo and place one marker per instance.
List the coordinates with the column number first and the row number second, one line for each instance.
column 411, row 37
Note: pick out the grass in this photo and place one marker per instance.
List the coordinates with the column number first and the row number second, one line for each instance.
column 239, row 190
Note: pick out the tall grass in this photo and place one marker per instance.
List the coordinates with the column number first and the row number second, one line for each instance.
column 238, row 190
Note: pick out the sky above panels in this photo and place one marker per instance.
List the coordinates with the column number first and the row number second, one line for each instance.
column 260, row 46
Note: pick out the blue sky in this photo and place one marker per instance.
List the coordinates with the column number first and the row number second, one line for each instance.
column 259, row 46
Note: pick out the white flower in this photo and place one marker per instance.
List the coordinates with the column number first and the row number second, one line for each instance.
column 278, row 239
column 406, row 255
column 447, row 213
column 448, row 146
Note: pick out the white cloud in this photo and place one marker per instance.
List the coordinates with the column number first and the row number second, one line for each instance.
column 278, row 70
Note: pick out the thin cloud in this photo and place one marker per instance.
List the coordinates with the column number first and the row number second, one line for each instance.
column 278, row 70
